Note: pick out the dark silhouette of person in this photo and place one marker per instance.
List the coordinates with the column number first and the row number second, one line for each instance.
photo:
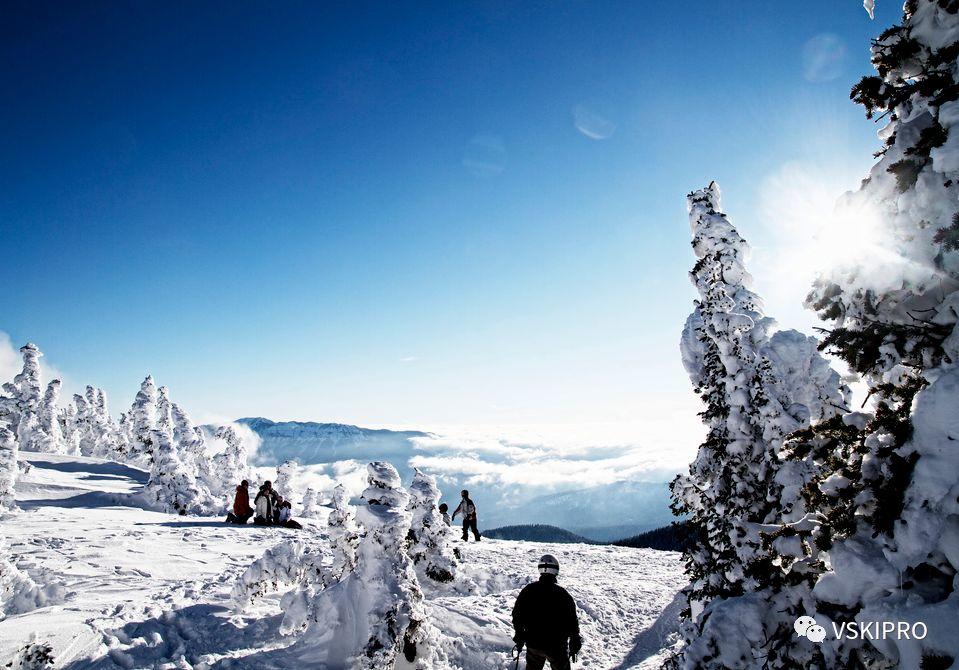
column 544, row 620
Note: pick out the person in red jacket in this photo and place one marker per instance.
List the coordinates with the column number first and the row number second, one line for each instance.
column 241, row 504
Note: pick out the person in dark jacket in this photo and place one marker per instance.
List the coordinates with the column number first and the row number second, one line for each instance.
column 468, row 509
column 241, row 505
column 544, row 620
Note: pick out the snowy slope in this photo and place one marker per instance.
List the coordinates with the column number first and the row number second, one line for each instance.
column 147, row 589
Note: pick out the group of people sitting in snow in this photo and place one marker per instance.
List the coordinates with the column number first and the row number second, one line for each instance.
column 269, row 507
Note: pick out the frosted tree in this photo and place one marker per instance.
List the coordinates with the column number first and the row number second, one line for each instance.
column 68, row 426
column 143, row 420
column 231, row 465
column 890, row 508
column 279, row 566
column 172, row 486
column 192, row 447
column 287, row 482
column 33, row 656
column 311, row 504
column 82, row 432
column 22, row 405
column 299, row 605
column 8, row 470
column 741, row 497
column 18, row 592
column 48, row 415
column 375, row 616
column 164, row 410
column 22, row 395
column 434, row 560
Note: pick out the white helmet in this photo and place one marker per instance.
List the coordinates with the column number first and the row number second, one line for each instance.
column 548, row 565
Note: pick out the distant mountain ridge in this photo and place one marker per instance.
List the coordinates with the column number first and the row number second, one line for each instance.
column 537, row 532
column 311, row 442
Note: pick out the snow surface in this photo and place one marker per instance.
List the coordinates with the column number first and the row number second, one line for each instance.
column 152, row 590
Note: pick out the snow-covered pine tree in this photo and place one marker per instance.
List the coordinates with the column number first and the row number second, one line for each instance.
column 375, row 616
column 299, row 604
column 279, row 566
column 18, row 592
column 82, row 433
column 433, row 558
column 49, row 411
column 192, row 448
column 311, row 504
column 172, row 486
column 33, row 656
column 890, row 507
column 232, row 464
column 287, row 482
column 23, row 393
column 746, row 565
column 8, row 470
column 142, row 421
column 22, row 406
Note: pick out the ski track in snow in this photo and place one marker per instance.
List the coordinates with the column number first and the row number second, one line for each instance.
column 151, row 590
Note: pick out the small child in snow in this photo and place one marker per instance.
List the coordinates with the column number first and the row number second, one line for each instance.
column 286, row 516
column 445, row 511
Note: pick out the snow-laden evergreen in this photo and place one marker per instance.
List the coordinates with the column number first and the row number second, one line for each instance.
column 758, row 386
column 375, row 617
column 49, row 418
column 24, row 406
column 33, row 656
column 279, row 566
column 287, row 483
column 142, row 421
column 310, row 508
column 172, row 486
column 432, row 556
column 230, row 466
column 18, row 592
column 299, row 605
column 192, row 448
column 9, row 470
column 889, row 494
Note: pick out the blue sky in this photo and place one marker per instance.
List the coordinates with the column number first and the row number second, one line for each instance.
column 416, row 213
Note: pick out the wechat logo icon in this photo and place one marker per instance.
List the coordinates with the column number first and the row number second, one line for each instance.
column 807, row 627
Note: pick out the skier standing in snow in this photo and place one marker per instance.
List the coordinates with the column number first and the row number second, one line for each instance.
column 544, row 620
column 468, row 510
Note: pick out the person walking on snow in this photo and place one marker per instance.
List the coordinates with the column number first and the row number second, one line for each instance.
column 468, row 510
column 241, row 504
column 544, row 620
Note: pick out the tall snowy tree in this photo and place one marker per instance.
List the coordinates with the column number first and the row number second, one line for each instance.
column 287, row 483
column 49, row 411
column 23, row 393
column 232, row 464
column 434, row 560
column 375, row 617
column 172, row 487
column 8, row 470
column 192, row 447
column 142, row 421
column 742, row 500
column 311, row 504
column 891, row 508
